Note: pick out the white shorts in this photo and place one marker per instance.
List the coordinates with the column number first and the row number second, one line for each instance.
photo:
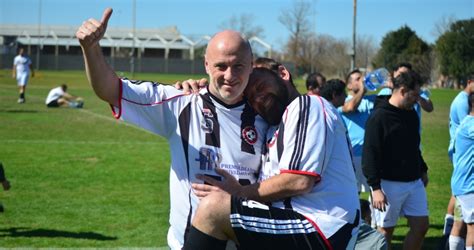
column 362, row 185
column 22, row 79
column 404, row 199
column 466, row 202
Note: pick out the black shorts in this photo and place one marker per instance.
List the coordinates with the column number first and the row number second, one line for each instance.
column 53, row 104
column 258, row 226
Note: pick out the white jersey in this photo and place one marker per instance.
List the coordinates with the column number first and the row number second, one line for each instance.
column 202, row 132
column 312, row 141
column 54, row 94
column 22, row 64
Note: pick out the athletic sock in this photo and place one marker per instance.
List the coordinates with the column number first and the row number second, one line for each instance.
column 456, row 243
column 448, row 224
column 22, row 95
column 469, row 248
column 198, row 240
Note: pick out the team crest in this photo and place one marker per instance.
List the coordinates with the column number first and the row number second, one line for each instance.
column 207, row 125
column 250, row 135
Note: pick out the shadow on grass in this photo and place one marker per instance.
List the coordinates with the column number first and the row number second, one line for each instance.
column 18, row 111
column 51, row 233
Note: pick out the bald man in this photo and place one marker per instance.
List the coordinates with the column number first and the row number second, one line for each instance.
column 214, row 128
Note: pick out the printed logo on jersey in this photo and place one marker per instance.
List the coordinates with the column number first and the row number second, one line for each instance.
column 250, row 135
column 208, row 159
column 207, row 123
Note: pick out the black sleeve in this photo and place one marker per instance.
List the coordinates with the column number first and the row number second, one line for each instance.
column 424, row 167
column 2, row 173
column 372, row 151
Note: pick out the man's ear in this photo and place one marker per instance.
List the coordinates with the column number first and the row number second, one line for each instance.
column 284, row 73
column 206, row 65
column 403, row 90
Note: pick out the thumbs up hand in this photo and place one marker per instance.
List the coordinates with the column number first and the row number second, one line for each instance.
column 91, row 31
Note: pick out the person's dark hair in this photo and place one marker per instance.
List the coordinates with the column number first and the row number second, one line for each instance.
column 348, row 77
column 267, row 94
column 469, row 77
column 315, row 80
column 409, row 79
column 271, row 64
column 470, row 101
column 64, row 87
column 403, row 64
column 333, row 86
column 267, row 63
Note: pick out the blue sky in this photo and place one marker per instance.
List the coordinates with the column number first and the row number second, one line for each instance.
column 334, row 17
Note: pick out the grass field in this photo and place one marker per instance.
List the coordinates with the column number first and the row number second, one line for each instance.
column 82, row 179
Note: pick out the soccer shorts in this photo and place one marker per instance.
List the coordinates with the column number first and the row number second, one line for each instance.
column 53, row 104
column 22, row 79
column 404, row 199
column 466, row 203
column 258, row 226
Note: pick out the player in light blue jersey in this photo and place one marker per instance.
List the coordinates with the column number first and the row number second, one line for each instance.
column 355, row 112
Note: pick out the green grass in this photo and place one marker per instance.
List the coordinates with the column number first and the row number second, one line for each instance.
column 81, row 179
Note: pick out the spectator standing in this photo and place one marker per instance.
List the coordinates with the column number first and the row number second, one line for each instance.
column 355, row 112
column 392, row 162
column 314, row 82
column 462, row 180
column 334, row 92
column 22, row 66
column 454, row 226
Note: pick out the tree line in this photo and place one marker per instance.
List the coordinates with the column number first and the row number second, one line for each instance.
column 444, row 63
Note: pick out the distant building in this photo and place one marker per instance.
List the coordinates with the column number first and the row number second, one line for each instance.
column 156, row 50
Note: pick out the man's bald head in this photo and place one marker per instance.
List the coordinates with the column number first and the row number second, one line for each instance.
column 228, row 62
column 229, row 40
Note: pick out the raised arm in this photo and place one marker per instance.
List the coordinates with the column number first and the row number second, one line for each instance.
column 102, row 78
column 353, row 104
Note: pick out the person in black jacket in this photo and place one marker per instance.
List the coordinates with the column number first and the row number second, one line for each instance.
column 392, row 162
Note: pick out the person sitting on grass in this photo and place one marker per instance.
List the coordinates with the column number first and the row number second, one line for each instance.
column 59, row 97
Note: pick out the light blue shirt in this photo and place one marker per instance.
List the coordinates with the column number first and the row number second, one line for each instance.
column 355, row 122
column 459, row 109
column 462, row 180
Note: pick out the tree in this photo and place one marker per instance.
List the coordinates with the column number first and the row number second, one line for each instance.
column 244, row 25
column 455, row 49
column 297, row 23
column 365, row 51
column 403, row 45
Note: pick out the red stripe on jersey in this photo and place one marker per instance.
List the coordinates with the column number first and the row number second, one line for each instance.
column 117, row 116
column 326, row 241
column 318, row 177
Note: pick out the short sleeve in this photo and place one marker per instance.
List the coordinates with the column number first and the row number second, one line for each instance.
column 149, row 105
column 304, row 137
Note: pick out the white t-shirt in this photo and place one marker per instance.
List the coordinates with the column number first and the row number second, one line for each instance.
column 202, row 132
column 312, row 140
column 54, row 94
column 22, row 64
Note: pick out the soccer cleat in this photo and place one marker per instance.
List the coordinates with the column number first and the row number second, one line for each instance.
column 21, row 100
